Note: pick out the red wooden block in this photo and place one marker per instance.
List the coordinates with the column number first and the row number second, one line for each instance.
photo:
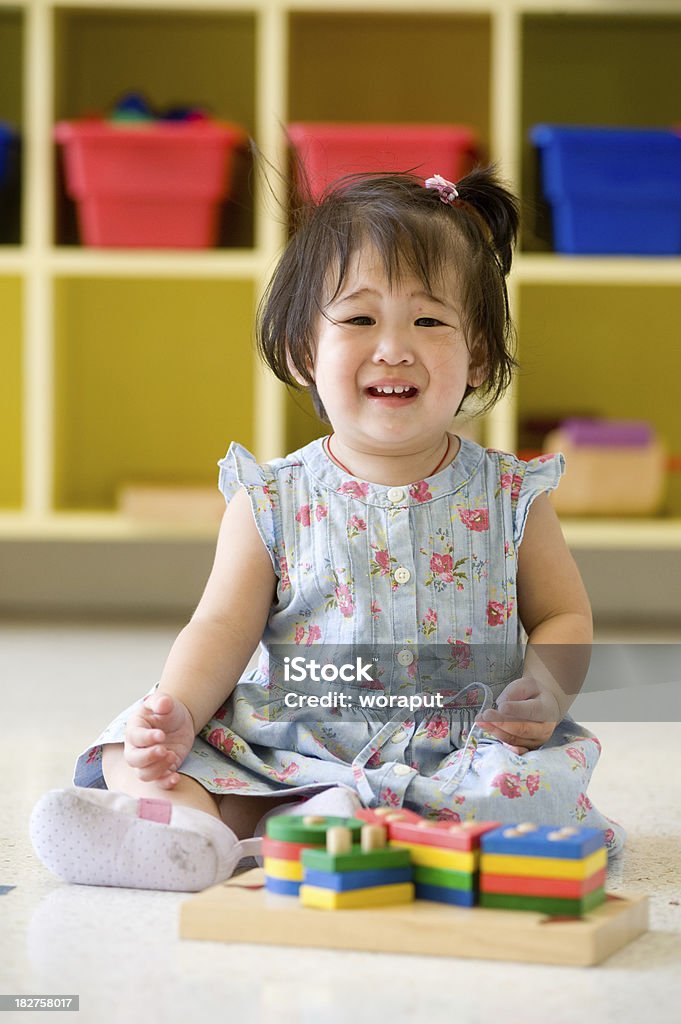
column 564, row 888
column 387, row 815
column 286, row 851
column 464, row 836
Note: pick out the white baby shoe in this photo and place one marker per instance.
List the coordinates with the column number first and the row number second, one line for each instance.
column 101, row 837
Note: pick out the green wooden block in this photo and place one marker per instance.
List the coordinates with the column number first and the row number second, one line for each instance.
column 544, row 904
column 445, row 878
column 291, row 828
column 356, row 860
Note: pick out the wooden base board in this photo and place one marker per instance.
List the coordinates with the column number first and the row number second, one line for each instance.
column 241, row 911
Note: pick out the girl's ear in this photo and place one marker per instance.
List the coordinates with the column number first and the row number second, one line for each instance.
column 296, row 374
column 477, row 375
column 477, row 366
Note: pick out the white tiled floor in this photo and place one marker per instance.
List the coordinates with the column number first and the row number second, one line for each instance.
column 119, row 950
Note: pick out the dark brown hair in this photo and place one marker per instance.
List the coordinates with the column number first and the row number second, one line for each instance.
column 413, row 231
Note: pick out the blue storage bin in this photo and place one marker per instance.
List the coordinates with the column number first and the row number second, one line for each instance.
column 612, row 190
column 7, row 137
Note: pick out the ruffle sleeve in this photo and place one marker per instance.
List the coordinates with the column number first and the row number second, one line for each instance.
column 240, row 469
column 538, row 476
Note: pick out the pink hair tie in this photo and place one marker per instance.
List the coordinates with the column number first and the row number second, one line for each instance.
column 447, row 190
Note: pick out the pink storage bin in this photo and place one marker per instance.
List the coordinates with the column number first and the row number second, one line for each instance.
column 156, row 185
column 328, row 151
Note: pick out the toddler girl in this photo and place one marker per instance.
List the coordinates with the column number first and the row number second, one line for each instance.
column 391, row 536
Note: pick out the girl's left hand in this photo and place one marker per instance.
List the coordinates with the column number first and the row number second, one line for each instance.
column 525, row 718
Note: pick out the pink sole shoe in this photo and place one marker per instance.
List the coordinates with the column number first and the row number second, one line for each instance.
column 100, row 837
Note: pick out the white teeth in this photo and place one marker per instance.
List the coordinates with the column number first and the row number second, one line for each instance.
column 399, row 389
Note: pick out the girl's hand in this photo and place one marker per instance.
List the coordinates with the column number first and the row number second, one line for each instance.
column 525, row 718
column 158, row 737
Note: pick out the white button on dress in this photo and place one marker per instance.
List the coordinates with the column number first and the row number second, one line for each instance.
column 402, row 769
column 395, row 494
column 404, row 657
column 402, row 574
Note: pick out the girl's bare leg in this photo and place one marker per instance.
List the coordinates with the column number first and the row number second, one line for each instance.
column 119, row 776
column 240, row 813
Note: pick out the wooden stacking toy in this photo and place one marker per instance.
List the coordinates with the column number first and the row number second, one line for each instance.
column 350, row 875
column 559, row 871
column 384, row 862
column 445, row 855
column 287, row 835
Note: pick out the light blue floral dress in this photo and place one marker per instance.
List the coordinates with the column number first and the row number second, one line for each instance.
column 422, row 578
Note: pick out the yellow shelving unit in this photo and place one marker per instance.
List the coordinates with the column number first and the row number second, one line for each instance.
column 118, row 366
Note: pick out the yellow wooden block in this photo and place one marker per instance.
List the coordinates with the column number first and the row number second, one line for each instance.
column 376, row 896
column 543, row 867
column 291, row 870
column 436, row 857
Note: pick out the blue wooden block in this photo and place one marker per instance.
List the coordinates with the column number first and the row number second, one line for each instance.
column 543, row 841
column 342, row 881
column 442, row 894
column 282, row 886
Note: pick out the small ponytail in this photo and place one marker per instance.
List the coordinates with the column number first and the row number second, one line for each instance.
column 482, row 192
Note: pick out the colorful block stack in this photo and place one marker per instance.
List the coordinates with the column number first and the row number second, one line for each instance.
column 558, row 871
column 348, row 875
column 445, row 855
column 287, row 835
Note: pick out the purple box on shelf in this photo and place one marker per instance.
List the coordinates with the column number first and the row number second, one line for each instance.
column 607, row 433
column 612, row 467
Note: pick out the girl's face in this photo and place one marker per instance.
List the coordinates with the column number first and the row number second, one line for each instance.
column 391, row 363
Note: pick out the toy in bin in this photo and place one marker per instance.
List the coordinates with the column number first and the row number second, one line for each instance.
column 612, row 467
column 146, row 181
column 328, row 151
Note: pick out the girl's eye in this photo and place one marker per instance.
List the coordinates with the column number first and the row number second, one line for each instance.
column 428, row 321
column 361, row 321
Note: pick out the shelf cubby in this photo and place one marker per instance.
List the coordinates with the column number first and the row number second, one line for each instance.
column 203, row 58
column 334, row 76
column 593, row 68
column 368, row 66
column 152, row 379
column 621, row 358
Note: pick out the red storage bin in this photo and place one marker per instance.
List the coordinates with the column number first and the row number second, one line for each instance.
column 156, row 185
column 328, row 151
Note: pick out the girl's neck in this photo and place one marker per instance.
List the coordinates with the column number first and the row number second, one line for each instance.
column 392, row 470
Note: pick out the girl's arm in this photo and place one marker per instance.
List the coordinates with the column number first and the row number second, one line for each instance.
column 215, row 646
column 209, row 654
column 554, row 609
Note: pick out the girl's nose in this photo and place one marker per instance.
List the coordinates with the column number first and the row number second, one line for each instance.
column 393, row 348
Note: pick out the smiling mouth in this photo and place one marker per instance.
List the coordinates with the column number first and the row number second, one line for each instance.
column 399, row 391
